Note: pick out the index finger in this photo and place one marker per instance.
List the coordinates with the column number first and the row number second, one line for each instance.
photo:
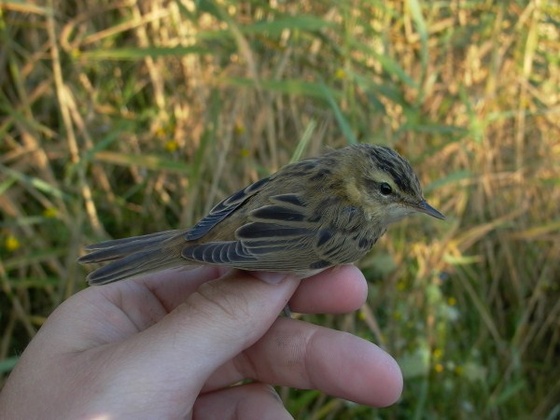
column 336, row 290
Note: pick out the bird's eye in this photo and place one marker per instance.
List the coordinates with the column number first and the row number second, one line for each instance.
column 385, row 189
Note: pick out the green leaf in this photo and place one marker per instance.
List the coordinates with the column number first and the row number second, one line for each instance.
column 133, row 54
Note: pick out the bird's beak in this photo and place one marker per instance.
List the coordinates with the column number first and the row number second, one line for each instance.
column 424, row 207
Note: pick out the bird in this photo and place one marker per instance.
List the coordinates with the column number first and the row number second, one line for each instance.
column 313, row 214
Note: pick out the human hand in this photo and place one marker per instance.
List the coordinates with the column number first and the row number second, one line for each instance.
column 169, row 346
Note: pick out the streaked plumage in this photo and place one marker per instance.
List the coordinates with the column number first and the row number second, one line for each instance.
column 308, row 216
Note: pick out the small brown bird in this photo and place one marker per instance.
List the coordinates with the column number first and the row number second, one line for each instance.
column 308, row 216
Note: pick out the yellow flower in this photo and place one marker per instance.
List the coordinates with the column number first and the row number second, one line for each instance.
column 50, row 212
column 239, row 128
column 361, row 316
column 11, row 243
column 340, row 74
column 171, row 146
column 245, row 153
column 437, row 354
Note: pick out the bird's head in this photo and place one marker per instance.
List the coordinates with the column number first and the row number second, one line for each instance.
column 384, row 184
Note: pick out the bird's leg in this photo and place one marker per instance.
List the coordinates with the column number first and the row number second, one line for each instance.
column 286, row 311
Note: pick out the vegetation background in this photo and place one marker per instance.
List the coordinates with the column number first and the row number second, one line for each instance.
column 119, row 118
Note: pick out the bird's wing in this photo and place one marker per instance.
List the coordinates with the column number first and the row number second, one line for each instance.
column 224, row 209
column 278, row 236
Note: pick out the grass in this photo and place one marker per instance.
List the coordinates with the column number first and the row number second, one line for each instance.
column 118, row 119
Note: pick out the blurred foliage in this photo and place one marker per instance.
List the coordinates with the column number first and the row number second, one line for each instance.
column 121, row 118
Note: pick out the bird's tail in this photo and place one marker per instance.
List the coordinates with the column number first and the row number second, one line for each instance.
column 130, row 257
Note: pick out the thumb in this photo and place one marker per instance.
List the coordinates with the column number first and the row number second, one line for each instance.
column 175, row 357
